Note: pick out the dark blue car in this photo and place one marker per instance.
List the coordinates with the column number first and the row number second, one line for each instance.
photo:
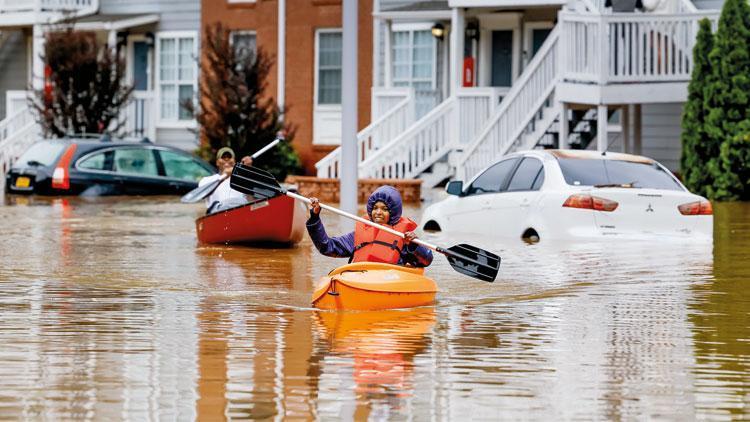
column 102, row 167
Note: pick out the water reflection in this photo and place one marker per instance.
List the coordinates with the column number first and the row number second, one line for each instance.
column 110, row 309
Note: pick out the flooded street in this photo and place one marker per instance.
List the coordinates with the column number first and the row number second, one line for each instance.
column 109, row 309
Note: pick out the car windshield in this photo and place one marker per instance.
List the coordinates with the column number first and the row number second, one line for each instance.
column 43, row 153
column 616, row 173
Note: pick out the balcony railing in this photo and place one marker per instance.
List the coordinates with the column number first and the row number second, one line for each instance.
column 8, row 6
column 629, row 48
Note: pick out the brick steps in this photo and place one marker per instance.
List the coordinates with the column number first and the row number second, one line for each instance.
column 327, row 190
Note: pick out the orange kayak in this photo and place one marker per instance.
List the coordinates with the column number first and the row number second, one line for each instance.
column 369, row 286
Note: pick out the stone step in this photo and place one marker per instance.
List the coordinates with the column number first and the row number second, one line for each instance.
column 328, row 190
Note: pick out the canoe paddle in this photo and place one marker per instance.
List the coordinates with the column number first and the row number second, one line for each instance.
column 202, row 192
column 466, row 259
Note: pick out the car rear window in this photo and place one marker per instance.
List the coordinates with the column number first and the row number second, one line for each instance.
column 593, row 172
column 41, row 153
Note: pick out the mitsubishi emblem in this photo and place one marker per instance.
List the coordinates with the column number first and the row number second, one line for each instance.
column 649, row 209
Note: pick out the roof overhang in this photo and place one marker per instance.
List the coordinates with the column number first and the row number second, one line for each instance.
column 114, row 22
column 504, row 3
column 413, row 16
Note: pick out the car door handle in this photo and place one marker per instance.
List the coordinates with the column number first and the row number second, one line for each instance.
column 525, row 203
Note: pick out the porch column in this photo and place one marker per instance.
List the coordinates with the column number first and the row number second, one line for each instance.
column 601, row 128
column 563, row 131
column 637, row 147
column 458, row 22
column 37, row 64
column 625, row 110
column 349, row 160
column 387, row 56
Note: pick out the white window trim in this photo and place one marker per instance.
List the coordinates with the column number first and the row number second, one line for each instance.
column 498, row 22
column 528, row 32
column 411, row 28
column 174, row 123
column 323, row 107
column 130, row 77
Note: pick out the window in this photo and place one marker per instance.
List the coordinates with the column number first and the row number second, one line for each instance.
column 493, row 179
column 525, row 175
column 181, row 166
column 244, row 44
column 177, row 75
column 329, row 67
column 135, row 161
column 414, row 59
column 100, row 161
column 592, row 172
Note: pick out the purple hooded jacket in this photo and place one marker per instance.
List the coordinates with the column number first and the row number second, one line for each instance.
column 343, row 246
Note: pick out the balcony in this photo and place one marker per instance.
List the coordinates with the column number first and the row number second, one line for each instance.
column 30, row 12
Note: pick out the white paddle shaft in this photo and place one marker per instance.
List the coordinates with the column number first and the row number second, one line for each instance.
column 265, row 148
column 360, row 219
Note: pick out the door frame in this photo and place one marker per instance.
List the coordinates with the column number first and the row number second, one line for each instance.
column 498, row 22
column 528, row 37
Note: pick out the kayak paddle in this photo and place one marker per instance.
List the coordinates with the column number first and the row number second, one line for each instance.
column 465, row 259
column 202, row 192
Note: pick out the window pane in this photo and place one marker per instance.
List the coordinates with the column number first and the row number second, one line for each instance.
column 180, row 166
column 168, row 101
column 494, row 178
column 523, row 178
column 95, row 162
column 167, row 61
column 186, row 61
column 244, row 45
column 135, row 161
column 329, row 68
column 186, row 93
column 44, row 153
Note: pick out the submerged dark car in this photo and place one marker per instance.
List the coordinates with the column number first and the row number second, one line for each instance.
column 102, row 167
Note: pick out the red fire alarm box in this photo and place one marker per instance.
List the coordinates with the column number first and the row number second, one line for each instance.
column 468, row 76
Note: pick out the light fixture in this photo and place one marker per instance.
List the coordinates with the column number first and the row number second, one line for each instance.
column 150, row 39
column 472, row 30
column 438, row 31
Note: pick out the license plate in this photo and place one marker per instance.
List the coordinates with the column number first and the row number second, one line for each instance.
column 23, row 182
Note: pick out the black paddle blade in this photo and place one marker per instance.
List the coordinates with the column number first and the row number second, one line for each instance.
column 200, row 192
column 472, row 261
column 256, row 182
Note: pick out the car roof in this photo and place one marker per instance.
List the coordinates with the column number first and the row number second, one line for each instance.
column 589, row 155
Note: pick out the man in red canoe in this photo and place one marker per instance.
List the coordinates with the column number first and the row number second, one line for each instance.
column 367, row 243
column 224, row 196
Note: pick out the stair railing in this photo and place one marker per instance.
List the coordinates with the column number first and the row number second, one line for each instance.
column 378, row 133
column 523, row 102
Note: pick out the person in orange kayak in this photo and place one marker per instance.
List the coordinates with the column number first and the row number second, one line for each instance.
column 367, row 243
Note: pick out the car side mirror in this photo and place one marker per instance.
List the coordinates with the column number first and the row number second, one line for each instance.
column 455, row 187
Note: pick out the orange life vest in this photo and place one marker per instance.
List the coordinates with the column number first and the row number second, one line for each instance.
column 375, row 245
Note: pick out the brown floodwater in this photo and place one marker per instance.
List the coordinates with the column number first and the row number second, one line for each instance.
column 109, row 309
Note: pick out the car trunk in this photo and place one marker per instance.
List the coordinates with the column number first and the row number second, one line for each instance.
column 644, row 211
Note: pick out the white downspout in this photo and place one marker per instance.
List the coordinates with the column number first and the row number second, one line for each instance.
column 281, row 57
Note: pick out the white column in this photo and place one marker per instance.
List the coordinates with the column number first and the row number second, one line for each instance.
column 388, row 56
column 281, row 56
column 637, row 145
column 601, row 128
column 112, row 39
column 37, row 63
column 349, row 162
column 563, row 131
column 457, row 47
column 625, row 110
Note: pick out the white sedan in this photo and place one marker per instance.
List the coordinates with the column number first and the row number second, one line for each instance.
column 563, row 194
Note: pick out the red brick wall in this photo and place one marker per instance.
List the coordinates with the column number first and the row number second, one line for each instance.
column 303, row 17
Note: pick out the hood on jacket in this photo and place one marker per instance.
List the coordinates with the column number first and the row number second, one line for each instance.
column 391, row 198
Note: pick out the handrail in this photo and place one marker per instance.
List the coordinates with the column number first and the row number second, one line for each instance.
column 520, row 105
column 400, row 117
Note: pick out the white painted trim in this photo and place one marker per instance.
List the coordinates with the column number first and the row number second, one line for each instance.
column 317, row 62
column 412, row 26
column 130, row 61
column 645, row 93
column 528, row 39
column 322, row 109
column 415, row 16
column 117, row 25
column 503, row 3
column 173, row 123
column 498, row 22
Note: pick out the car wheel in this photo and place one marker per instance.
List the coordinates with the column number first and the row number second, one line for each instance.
column 431, row 226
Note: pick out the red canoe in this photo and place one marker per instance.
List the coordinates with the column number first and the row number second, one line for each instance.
column 277, row 220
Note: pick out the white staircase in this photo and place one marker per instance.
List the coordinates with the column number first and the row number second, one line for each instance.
column 17, row 133
column 524, row 115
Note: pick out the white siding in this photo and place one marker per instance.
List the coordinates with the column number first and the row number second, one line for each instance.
column 175, row 15
column 709, row 4
column 13, row 64
column 661, row 133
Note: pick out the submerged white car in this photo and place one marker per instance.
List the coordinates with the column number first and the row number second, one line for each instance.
column 563, row 194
